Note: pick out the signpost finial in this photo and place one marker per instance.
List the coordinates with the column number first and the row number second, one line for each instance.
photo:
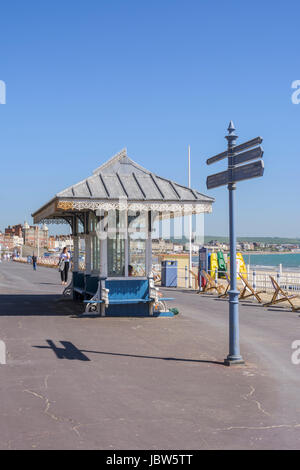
column 231, row 137
column 231, row 127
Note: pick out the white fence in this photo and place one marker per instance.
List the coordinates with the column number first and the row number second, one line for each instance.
column 51, row 261
column 260, row 280
column 287, row 281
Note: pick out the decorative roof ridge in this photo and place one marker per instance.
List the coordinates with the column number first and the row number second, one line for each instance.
column 116, row 157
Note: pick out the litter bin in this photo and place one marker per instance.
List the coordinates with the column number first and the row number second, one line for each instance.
column 169, row 273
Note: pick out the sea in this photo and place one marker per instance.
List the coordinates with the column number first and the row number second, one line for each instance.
column 289, row 261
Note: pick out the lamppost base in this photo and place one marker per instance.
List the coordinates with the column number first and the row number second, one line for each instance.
column 233, row 361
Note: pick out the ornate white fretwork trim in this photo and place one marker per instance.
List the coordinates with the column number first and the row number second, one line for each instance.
column 139, row 206
column 53, row 221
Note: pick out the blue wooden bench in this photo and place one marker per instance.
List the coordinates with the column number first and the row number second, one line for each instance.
column 128, row 291
column 127, row 297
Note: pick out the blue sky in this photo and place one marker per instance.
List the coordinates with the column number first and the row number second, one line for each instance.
column 87, row 78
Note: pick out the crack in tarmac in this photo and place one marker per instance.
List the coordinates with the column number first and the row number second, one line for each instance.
column 274, row 426
column 258, row 404
column 47, row 402
column 47, row 407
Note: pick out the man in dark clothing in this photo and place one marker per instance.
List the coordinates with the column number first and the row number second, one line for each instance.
column 34, row 260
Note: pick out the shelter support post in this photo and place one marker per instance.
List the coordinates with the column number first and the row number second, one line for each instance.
column 149, row 245
column 103, row 262
column 88, row 254
column 76, row 253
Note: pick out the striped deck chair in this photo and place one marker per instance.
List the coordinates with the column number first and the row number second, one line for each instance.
column 281, row 296
column 248, row 290
column 210, row 284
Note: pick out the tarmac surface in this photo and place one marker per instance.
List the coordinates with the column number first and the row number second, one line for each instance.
column 142, row 383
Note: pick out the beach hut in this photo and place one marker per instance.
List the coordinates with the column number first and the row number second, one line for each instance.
column 112, row 213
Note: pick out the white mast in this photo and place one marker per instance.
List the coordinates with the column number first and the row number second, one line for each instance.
column 190, row 220
column 38, row 241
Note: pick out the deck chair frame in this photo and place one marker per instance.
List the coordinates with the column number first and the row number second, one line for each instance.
column 225, row 293
column 276, row 299
column 248, row 288
column 210, row 284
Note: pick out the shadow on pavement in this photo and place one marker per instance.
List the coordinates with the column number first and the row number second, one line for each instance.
column 250, row 304
column 280, row 309
column 37, row 305
column 50, row 283
column 71, row 352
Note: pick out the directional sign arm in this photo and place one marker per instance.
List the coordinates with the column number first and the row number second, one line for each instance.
column 249, row 155
column 248, row 145
column 246, row 172
column 239, row 173
column 217, row 158
column 216, row 180
column 238, row 148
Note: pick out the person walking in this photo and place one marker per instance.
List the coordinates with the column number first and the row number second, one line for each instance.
column 63, row 265
column 34, row 260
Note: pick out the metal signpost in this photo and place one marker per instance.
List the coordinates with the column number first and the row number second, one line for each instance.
column 233, row 174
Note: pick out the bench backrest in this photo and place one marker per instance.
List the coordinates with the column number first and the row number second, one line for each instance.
column 78, row 280
column 128, row 289
column 91, row 284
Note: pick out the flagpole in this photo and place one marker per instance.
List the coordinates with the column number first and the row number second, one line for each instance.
column 190, row 219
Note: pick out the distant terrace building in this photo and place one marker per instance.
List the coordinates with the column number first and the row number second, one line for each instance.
column 35, row 236
column 161, row 245
column 14, row 230
column 8, row 241
column 58, row 242
column 19, row 234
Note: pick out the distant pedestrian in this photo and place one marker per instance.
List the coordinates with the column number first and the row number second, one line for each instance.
column 34, row 260
column 63, row 265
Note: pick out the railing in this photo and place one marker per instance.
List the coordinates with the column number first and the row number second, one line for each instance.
column 260, row 280
column 287, row 281
column 50, row 262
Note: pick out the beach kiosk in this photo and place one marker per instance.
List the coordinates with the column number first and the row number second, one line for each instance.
column 111, row 214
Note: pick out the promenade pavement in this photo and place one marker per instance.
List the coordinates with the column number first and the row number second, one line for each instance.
column 142, row 383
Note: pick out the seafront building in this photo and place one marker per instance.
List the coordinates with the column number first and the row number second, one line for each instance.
column 17, row 236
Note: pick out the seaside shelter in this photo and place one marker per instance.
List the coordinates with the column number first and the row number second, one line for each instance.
column 112, row 213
